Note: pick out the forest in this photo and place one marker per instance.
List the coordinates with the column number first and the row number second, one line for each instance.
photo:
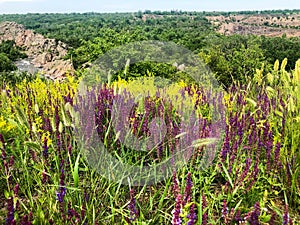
column 246, row 129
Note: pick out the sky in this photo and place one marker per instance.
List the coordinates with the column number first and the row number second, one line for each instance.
column 62, row 6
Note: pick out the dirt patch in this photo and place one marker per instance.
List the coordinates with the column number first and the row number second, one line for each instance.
column 257, row 24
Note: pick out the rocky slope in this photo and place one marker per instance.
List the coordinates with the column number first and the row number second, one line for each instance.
column 258, row 24
column 46, row 53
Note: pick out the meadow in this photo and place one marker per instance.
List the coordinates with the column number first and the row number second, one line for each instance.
column 252, row 179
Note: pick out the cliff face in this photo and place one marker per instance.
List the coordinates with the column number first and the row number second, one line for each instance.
column 47, row 53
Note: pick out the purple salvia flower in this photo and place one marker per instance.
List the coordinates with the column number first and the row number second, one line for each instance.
column 134, row 214
column 176, row 220
column 192, row 216
column 3, row 144
column 226, row 146
column 254, row 218
column 11, row 161
column 176, row 189
column 26, row 220
column 277, row 153
column 225, row 211
column 45, row 151
column 61, row 194
column 56, row 118
column 269, row 149
column 204, row 206
column 16, row 189
column 204, row 218
column 253, row 175
column 188, row 190
column 62, row 189
column 70, row 149
column 238, row 217
column 286, row 216
column 72, row 213
column 246, row 170
column 10, row 219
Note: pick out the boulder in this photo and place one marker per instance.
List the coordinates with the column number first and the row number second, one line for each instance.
column 47, row 53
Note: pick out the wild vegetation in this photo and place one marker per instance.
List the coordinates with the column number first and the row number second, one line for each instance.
column 253, row 177
column 91, row 34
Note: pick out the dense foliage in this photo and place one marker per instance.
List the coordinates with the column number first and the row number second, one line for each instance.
column 89, row 35
column 252, row 179
column 8, row 54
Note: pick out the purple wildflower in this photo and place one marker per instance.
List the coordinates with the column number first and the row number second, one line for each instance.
column 277, row 153
column 246, row 170
column 226, row 146
column 3, row 143
column 188, row 189
column 11, row 210
column 192, row 216
column 16, row 189
column 204, row 213
column 61, row 194
column 62, row 189
column 225, row 211
column 286, row 216
column 238, row 217
column 134, row 214
column 26, row 219
column 11, row 161
column 176, row 220
column 45, row 151
column 176, row 189
column 254, row 218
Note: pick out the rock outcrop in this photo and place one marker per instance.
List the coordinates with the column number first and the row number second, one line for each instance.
column 47, row 53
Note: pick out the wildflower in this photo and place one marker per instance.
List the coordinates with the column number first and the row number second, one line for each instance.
column 134, row 214
column 11, row 161
column 10, row 212
column 238, row 217
column 72, row 213
column 176, row 189
column 204, row 215
column 3, row 145
column 226, row 146
column 255, row 214
column 45, row 151
column 26, row 219
column 192, row 216
column 188, row 189
column 277, row 153
column 61, row 194
column 62, row 189
column 225, row 211
column 176, row 220
column 286, row 216
column 16, row 189
column 246, row 170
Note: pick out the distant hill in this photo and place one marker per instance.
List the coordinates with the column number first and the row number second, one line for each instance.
column 271, row 25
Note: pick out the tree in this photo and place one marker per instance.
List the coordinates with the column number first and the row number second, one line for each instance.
column 6, row 64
